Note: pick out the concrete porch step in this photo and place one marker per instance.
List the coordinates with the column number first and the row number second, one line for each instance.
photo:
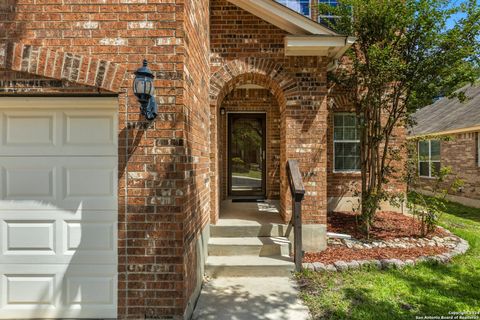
column 248, row 266
column 256, row 246
column 226, row 229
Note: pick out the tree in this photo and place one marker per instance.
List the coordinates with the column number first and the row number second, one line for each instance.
column 403, row 58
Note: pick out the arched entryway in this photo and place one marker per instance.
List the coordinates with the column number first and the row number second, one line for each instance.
column 256, row 88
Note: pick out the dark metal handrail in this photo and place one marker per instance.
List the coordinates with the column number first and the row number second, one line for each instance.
column 298, row 192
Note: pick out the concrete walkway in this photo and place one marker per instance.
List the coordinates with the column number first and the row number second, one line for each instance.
column 255, row 298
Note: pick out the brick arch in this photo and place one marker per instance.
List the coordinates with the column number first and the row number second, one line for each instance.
column 340, row 100
column 263, row 72
column 56, row 64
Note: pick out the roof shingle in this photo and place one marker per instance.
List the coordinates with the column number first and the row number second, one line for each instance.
column 449, row 114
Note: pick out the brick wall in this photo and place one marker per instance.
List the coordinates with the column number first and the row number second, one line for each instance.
column 93, row 46
column 461, row 154
column 254, row 100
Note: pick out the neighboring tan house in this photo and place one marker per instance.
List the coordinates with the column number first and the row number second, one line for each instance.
column 104, row 214
column 459, row 122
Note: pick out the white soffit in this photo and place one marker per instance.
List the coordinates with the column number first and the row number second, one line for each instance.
column 282, row 17
column 307, row 38
column 325, row 46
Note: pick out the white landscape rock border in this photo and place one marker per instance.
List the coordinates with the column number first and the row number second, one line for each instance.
column 460, row 247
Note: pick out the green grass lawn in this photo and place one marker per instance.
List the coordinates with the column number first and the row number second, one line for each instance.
column 427, row 289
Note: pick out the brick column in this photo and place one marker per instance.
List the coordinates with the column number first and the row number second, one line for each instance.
column 304, row 137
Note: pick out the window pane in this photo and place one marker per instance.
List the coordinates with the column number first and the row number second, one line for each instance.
column 349, row 133
column 359, row 134
column 352, row 149
column 357, row 163
column 424, row 169
column 338, row 133
column 339, row 163
column 300, row 6
column 339, row 149
column 423, row 150
column 338, row 120
column 350, row 120
column 435, row 149
column 350, row 163
column 347, row 156
column 345, row 127
column 435, row 168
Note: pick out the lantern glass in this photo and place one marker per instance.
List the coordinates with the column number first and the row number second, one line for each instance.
column 149, row 86
column 139, row 87
column 143, row 85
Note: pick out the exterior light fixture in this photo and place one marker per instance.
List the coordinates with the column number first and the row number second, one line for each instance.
column 222, row 111
column 144, row 90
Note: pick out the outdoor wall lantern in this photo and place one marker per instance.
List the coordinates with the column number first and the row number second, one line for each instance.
column 222, row 111
column 144, row 90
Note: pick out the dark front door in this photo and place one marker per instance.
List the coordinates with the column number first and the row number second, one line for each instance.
column 246, row 154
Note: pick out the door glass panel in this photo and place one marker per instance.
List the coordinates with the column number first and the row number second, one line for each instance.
column 246, row 155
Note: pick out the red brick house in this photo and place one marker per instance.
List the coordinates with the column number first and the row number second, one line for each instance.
column 460, row 123
column 105, row 214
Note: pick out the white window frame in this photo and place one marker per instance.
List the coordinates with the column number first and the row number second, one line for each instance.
column 430, row 161
column 309, row 7
column 345, row 141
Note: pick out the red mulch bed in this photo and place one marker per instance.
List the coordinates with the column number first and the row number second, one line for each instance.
column 387, row 225
column 333, row 254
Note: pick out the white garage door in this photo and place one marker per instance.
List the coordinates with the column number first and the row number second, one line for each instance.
column 58, row 207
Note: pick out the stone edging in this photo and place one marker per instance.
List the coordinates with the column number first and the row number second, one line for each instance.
column 460, row 248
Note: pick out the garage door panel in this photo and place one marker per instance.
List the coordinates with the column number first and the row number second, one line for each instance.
column 59, row 133
column 82, row 290
column 89, row 236
column 24, row 236
column 101, row 132
column 92, row 182
column 53, row 290
column 63, row 183
column 58, row 237
column 30, row 289
column 29, row 129
column 27, row 182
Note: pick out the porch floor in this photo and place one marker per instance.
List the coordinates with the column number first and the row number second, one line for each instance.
column 249, row 213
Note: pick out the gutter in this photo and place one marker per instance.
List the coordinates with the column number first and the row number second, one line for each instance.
column 446, row 132
column 332, row 46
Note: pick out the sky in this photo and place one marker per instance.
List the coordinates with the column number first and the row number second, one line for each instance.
column 451, row 22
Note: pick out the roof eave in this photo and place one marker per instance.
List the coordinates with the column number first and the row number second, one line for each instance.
column 445, row 132
column 283, row 17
